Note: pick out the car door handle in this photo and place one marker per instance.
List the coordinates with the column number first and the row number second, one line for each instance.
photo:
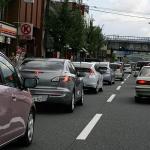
column 14, row 97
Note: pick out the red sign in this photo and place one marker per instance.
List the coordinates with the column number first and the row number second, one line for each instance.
column 26, row 29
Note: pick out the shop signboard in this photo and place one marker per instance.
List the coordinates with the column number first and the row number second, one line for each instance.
column 7, row 30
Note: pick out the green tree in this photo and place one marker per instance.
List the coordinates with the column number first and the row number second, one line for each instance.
column 95, row 39
column 65, row 26
column 3, row 5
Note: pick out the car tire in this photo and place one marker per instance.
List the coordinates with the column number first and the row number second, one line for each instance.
column 137, row 99
column 101, row 89
column 110, row 82
column 71, row 106
column 81, row 100
column 122, row 79
column 96, row 90
column 28, row 136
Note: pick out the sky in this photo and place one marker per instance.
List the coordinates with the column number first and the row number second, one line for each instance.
column 121, row 25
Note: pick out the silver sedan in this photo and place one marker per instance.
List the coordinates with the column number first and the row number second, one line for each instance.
column 57, row 81
column 92, row 79
column 142, row 89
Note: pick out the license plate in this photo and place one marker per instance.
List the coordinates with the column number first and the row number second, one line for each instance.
column 39, row 98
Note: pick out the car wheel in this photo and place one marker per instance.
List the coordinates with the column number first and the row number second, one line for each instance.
column 96, row 90
column 101, row 89
column 137, row 99
column 81, row 100
column 71, row 106
column 28, row 136
column 122, row 79
column 110, row 82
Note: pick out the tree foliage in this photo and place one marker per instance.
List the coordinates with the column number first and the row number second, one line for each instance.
column 94, row 38
column 3, row 4
column 66, row 26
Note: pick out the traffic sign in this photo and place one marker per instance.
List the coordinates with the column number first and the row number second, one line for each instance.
column 26, row 29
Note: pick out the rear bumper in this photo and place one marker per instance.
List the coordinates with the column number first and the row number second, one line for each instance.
column 107, row 78
column 53, row 95
column 142, row 91
column 119, row 75
column 90, row 83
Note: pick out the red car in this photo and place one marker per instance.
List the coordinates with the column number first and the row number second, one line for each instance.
column 17, row 111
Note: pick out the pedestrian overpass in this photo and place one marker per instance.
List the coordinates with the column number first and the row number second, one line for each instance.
column 123, row 46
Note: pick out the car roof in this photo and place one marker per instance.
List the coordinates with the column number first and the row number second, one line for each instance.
column 46, row 59
column 83, row 64
column 146, row 67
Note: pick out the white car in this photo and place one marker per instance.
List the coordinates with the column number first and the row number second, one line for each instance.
column 127, row 68
column 92, row 79
column 142, row 89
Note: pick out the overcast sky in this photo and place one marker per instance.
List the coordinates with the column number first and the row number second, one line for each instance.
column 121, row 25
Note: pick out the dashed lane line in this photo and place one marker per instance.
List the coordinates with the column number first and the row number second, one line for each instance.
column 86, row 131
column 129, row 76
column 118, row 88
column 122, row 82
column 111, row 98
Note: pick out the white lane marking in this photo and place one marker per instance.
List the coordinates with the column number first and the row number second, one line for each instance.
column 125, row 79
column 86, row 131
column 118, row 88
column 122, row 82
column 128, row 76
column 111, row 98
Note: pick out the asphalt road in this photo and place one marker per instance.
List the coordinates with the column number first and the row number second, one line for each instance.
column 111, row 121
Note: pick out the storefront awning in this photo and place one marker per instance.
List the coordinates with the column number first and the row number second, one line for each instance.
column 7, row 30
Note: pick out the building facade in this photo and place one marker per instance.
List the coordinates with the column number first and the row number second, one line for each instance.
column 27, row 16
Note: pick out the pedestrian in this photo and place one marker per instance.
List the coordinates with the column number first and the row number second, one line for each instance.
column 13, row 58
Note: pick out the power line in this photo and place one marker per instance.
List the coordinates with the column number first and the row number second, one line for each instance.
column 122, row 11
column 111, row 12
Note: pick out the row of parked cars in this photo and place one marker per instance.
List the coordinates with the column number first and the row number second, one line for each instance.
column 50, row 81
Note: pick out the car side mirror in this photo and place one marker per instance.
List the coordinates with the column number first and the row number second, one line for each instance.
column 30, row 82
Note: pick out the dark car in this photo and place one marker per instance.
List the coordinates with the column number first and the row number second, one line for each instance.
column 57, row 81
column 17, row 110
column 139, row 66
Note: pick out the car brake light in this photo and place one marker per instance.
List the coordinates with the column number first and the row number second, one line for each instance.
column 61, row 79
column 91, row 72
column 143, row 82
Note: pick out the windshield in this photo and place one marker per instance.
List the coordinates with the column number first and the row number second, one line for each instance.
column 127, row 65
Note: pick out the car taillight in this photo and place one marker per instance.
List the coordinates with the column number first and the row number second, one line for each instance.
column 143, row 82
column 62, row 79
column 91, row 72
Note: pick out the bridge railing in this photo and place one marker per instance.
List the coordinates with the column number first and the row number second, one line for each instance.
column 127, row 38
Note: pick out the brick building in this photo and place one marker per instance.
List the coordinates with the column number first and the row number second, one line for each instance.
column 30, row 12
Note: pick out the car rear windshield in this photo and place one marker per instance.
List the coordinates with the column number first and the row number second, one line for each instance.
column 127, row 65
column 43, row 65
column 141, row 64
column 115, row 66
column 145, row 72
column 82, row 65
column 83, row 71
